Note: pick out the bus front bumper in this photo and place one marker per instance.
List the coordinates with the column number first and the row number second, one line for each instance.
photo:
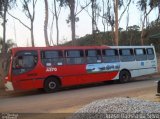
column 9, row 86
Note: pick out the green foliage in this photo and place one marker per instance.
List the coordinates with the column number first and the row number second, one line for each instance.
column 1, row 7
column 9, row 44
column 142, row 4
column 120, row 3
column 10, row 4
column 153, row 3
column 130, row 37
column 25, row 5
column 152, row 29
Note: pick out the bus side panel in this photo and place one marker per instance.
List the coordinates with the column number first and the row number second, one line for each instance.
column 98, row 77
column 20, row 82
column 71, row 74
column 77, row 74
column 88, row 78
column 131, row 67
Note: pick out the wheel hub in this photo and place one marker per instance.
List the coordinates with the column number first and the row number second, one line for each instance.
column 52, row 85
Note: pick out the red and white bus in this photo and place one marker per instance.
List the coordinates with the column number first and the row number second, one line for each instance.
column 51, row 68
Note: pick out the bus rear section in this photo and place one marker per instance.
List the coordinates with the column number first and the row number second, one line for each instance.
column 137, row 60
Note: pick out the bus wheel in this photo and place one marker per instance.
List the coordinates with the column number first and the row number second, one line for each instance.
column 51, row 84
column 124, row 76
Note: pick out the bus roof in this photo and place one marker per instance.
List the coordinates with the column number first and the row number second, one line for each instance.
column 74, row 47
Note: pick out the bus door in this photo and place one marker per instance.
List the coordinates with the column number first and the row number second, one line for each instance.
column 74, row 69
column 23, row 69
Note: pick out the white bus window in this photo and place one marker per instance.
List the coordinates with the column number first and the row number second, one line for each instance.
column 139, row 51
column 52, row 57
column 110, row 55
column 126, row 55
column 140, row 54
column 150, row 53
column 74, row 56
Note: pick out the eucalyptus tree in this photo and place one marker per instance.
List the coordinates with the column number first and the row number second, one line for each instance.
column 57, row 12
column 94, row 7
column 115, row 4
column 73, row 15
column 72, row 18
column 46, row 23
column 111, row 16
column 132, row 30
column 56, row 9
column 30, row 14
column 5, row 5
column 142, row 6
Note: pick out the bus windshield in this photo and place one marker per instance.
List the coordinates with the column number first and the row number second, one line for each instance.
column 24, row 61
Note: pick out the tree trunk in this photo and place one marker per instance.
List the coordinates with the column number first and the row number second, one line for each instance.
column 46, row 23
column 72, row 13
column 143, row 24
column 57, row 26
column 116, row 22
column 113, row 36
column 32, row 34
column 4, row 30
column 51, row 32
column 142, row 39
column 93, row 19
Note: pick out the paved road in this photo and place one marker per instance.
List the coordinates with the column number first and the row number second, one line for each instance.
column 72, row 99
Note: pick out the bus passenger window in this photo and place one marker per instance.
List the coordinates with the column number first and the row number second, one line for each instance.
column 52, row 57
column 74, row 56
column 150, row 53
column 140, row 54
column 93, row 56
column 110, row 55
column 126, row 55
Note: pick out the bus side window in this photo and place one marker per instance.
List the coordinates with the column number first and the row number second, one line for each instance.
column 52, row 57
column 74, row 56
column 140, row 54
column 110, row 55
column 150, row 53
column 93, row 56
column 126, row 55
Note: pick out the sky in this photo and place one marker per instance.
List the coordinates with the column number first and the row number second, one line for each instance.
column 21, row 35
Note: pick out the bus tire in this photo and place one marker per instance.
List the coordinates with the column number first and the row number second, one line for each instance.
column 158, row 87
column 51, row 85
column 124, row 76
